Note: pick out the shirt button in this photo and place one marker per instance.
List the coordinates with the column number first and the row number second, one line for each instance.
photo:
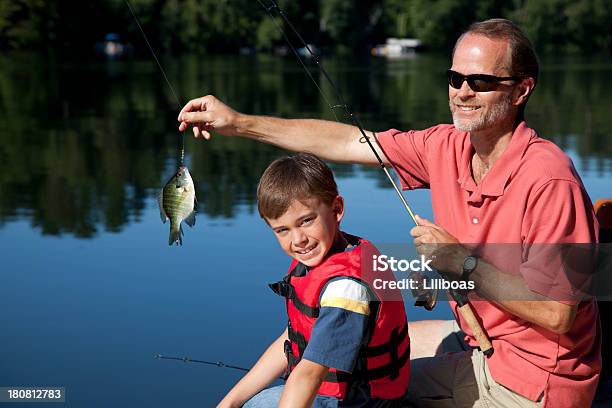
column 474, row 220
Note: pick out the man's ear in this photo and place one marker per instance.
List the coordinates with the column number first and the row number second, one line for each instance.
column 338, row 207
column 523, row 90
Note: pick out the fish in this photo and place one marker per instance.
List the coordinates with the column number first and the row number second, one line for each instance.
column 177, row 203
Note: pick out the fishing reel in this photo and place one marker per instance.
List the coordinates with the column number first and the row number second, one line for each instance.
column 424, row 296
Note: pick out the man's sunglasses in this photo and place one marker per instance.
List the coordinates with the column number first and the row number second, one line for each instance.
column 477, row 82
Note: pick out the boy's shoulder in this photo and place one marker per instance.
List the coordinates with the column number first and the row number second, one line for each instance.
column 346, row 293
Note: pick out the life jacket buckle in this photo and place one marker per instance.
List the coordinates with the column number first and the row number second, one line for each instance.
column 290, row 358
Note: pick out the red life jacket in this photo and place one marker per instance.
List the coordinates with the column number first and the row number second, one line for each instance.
column 384, row 363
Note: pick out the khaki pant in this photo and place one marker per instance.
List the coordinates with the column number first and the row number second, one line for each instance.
column 458, row 377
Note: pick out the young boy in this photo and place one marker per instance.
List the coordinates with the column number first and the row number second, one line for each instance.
column 346, row 343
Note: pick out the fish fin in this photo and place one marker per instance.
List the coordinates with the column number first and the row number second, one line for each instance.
column 176, row 235
column 160, row 202
column 191, row 219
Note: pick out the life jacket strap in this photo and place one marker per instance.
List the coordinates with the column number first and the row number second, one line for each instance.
column 293, row 360
column 285, row 289
column 393, row 358
column 391, row 370
column 297, row 338
column 396, row 339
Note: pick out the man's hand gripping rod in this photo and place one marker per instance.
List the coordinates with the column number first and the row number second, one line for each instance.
column 461, row 298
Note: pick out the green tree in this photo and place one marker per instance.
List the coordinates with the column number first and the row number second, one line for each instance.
column 224, row 26
column 397, row 18
column 438, row 23
column 24, row 23
column 304, row 17
column 588, row 24
column 268, row 33
column 545, row 22
column 350, row 25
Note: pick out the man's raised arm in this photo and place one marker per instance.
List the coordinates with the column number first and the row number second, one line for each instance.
column 329, row 140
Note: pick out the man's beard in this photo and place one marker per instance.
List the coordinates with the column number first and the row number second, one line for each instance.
column 494, row 116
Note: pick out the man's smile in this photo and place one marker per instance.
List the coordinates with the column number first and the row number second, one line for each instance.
column 467, row 108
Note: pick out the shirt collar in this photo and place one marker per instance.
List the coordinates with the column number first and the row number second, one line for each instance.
column 495, row 182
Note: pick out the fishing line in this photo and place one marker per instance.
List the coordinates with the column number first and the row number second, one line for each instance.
column 178, row 102
column 352, row 116
column 297, row 55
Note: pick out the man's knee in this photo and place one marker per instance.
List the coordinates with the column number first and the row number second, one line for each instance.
column 442, row 381
column 429, row 338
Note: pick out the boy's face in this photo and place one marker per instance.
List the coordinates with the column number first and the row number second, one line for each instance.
column 307, row 230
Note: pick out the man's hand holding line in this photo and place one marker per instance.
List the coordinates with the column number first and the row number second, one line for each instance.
column 206, row 114
column 329, row 140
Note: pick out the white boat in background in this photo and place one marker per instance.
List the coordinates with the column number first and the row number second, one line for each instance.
column 397, row 48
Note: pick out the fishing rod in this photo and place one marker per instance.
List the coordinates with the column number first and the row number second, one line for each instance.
column 219, row 364
column 343, row 104
column 185, row 359
column 459, row 297
column 178, row 102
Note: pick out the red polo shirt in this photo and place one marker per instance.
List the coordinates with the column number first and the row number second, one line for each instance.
column 532, row 194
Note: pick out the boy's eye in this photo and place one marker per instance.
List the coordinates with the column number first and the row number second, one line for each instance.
column 280, row 230
column 307, row 221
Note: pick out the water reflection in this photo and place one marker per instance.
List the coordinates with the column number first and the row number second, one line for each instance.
column 84, row 144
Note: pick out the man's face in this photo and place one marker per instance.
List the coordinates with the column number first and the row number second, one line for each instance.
column 307, row 230
column 480, row 111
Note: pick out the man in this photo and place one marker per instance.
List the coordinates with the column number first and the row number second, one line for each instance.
column 493, row 181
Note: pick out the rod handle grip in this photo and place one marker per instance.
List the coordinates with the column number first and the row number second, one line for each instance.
column 483, row 341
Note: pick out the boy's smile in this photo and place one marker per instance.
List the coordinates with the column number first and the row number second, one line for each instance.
column 308, row 229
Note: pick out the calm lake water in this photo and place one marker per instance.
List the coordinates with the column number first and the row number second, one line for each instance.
column 90, row 289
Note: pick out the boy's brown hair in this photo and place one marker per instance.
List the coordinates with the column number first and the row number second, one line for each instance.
column 297, row 177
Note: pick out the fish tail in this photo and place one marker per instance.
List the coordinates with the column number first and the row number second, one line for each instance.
column 176, row 234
